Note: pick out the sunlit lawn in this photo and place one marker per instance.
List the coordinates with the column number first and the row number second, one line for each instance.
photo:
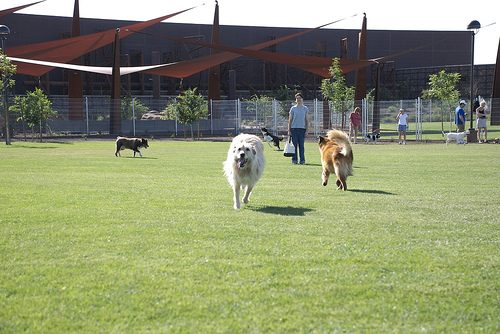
column 94, row 243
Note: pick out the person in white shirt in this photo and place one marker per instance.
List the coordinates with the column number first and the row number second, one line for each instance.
column 402, row 118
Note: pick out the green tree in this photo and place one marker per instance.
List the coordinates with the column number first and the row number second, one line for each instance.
column 261, row 106
column 187, row 108
column 20, row 107
column 128, row 103
column 38, row 109
column 7, row 70
column 285, row 95
column 442, row 87
column 337, row 91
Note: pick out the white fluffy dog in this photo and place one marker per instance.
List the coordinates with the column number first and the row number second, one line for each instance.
column 456, row 136
column 244, row 165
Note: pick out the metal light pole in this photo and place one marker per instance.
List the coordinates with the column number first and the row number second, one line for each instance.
column 474, row 27
column 4, row 32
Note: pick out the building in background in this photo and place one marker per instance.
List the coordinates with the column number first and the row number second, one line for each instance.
column 416, row 54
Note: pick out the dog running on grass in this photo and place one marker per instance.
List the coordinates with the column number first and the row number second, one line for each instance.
column 336, row 157
column 270, row 138
column 133, row 144
column 244, row 166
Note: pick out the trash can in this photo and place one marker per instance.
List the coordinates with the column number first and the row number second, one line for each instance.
column 472, row 136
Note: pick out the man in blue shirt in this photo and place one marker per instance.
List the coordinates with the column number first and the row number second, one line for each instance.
column 460, row 117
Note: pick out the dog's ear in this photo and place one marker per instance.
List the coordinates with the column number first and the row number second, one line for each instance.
column 322, row 140
column 254, row 151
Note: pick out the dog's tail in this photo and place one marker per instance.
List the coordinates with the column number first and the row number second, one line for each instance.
column 341, row 138
column 343, row 166
column 444, row 134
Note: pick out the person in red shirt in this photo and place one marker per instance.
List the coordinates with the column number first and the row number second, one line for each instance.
column 354, row 124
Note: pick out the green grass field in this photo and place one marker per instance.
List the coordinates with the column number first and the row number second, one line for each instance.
column 92, row 243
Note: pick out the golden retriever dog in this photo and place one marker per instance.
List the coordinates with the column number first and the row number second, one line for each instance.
column 244, row 165
column 336, row 157
column 133, row 144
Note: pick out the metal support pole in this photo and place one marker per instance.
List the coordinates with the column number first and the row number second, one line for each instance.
column 211, row 116
column 474, row 27
column 4, row 31
column 87, row 113
column 364, row 117
column 472, row 78
column 238, row 116
column 133, row 114
column 275, row 116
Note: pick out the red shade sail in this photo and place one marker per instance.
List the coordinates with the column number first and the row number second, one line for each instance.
column 62, row 51
column 15, row 9
column 187, row 68
column 317, row 65
column 68, row 49
column 106, row 70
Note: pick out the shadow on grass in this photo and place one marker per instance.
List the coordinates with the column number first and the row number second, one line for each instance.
column 148, row 158
column 369, row 191
column 28, row 144
column 282, row 210
column 308, row 164
column 319, row 165
column 37, row 147
column 65, row 142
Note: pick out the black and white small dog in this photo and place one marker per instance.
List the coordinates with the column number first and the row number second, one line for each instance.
column 270, row 138
column 372, row 137
column 130, row 143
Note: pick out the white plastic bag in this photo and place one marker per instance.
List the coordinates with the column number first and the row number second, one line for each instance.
column 289, row 150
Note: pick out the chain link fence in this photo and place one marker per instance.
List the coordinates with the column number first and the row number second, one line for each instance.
column 142, row 116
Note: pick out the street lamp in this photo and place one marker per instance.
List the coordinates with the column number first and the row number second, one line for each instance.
column 4, row 32
column 474, row 27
